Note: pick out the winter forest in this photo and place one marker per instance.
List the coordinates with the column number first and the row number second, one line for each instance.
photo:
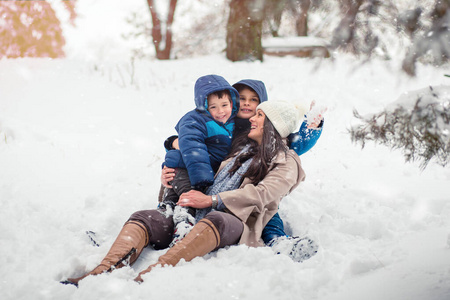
column 90, row 90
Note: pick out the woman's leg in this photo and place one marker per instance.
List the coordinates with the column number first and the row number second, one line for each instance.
column 159, row 227
column 216, row 230
column 147, row 227
column 125, row 250
column 229, row 227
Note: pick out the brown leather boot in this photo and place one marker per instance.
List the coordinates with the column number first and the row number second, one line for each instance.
column 202, row 239
column 125, row 250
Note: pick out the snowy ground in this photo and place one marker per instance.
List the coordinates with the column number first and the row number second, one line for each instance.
column 81, row 147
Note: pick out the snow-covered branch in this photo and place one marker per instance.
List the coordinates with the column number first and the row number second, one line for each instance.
column 418, row 123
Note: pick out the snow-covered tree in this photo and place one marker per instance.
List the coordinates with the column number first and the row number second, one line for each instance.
column 31, row 29
column 418, row 123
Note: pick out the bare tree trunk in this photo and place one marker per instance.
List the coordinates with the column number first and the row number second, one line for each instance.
column 244, row 30
column 301, row 21
column 157, row 35
column 343, row 35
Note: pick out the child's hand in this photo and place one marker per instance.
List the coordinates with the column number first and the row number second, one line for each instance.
column 167, row 175
column 315, row 115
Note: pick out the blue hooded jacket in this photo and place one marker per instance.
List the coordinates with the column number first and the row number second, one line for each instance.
column 304, row 139
column 257, row 85
column 204, row 143
column 243, row 125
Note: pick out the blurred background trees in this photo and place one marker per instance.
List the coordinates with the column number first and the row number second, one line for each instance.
column 244, row 30
column 434, row 42
column 388, row 29
column 408, row 29
column 298, row 9
column 162, row 42
column 31, row 29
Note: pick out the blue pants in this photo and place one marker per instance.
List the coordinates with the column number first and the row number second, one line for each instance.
column 273, row 229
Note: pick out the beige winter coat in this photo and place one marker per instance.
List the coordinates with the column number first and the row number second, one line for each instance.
column 256, row 205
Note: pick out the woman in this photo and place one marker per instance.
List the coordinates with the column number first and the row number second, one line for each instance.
column 245, row 196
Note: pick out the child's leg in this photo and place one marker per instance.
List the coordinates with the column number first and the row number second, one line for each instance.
column 183, row 217
column 297, row 248
column 180, row 184
column 273, row 229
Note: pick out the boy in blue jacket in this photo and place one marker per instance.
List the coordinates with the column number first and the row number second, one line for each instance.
column 204, row 137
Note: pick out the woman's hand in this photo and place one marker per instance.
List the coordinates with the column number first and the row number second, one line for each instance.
column 167, row 175
column 195, row 199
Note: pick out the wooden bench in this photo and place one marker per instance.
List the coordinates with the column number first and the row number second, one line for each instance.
column 299, row 46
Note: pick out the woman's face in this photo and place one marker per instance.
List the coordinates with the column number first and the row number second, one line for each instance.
column 249, row 100
column 257, row 126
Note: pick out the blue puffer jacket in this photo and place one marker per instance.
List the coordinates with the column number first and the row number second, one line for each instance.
column 204, row 142
column 305, row 138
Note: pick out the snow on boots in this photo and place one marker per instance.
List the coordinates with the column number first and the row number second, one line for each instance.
column 298, row 249
column 125, row 250
column 202, row 239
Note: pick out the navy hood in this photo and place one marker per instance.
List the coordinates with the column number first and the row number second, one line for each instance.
column 257, row 85
column 208, row 84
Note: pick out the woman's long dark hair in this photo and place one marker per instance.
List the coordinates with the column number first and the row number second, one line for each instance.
column 263, row 155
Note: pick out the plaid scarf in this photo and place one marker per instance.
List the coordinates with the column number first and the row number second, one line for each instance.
column 225, row 181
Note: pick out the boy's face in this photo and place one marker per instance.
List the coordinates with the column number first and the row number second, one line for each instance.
column 219, row 108
column 249, row 100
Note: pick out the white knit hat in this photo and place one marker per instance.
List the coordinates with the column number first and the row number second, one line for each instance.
column 285, row 116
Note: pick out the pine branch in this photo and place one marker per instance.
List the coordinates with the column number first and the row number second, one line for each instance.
column 420, row 131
